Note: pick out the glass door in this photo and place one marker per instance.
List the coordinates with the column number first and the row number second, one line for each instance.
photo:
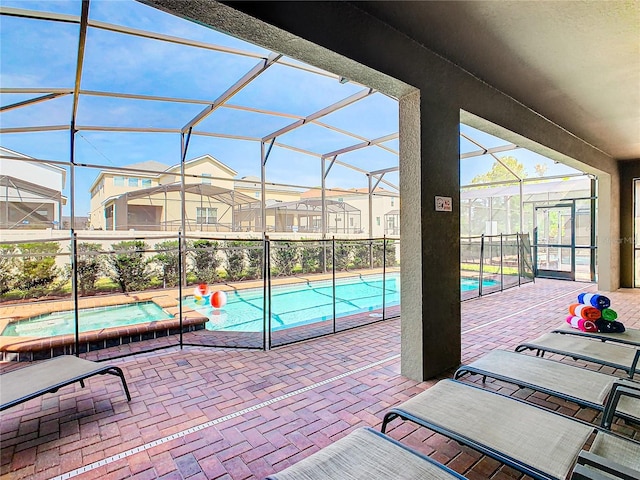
column 554, row 241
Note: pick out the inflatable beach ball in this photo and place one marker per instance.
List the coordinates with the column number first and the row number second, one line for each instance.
column 218, row 299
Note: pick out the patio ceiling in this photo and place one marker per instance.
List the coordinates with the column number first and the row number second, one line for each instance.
column 575, row 63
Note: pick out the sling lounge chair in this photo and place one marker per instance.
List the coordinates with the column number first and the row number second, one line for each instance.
column 29, row 382
column 526, row 437
column 365, row 454
column 605, row 393
column 631, row 336
column 604, row 353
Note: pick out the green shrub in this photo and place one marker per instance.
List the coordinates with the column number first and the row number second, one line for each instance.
column 38, row 270
column 205, row 260
column 361, row 254
column 8, row 268
column 90, row 266
column 311, row 257
column 284, row 256
column 167, row 261
column 255, row 255
column 378, row 248
column 129, row 266
column 343, row 255
column 236, row 258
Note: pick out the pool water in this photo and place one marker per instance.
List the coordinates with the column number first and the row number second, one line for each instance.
column 291, row 306
column 62, row 323
column 467, row 284
column 299, row 304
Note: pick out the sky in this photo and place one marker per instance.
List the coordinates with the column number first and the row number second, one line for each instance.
column 43, row 54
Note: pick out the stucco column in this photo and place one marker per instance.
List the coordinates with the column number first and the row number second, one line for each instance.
column 430, row 246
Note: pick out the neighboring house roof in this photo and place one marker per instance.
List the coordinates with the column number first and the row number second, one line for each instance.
column 149, row 165
column 151, row 168
column 203, row 158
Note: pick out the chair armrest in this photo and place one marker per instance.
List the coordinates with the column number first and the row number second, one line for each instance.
column 599, row 466
column 619, row 389
column 635, row 364
column 580, row 472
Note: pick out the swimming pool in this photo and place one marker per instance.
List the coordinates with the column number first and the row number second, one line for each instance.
column 62, row 323
column 291, row 306
column 300, row 304
column 305, row 303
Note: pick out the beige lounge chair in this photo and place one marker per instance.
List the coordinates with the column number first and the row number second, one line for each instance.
column 609, row 394
column 365, row 454
column 613, row 355
column 36, row 379
column 631, row 336
column 526, row 437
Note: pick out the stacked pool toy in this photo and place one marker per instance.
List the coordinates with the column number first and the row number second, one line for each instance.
column 592, row 313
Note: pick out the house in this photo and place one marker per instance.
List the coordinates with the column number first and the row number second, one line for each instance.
column 146, row 196
column 30, row 192
column 385, row 210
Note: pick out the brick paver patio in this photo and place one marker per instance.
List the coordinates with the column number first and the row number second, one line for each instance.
column 204, row 413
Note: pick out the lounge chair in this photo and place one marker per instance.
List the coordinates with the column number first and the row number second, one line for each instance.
column 631, row 336
column 365, row 454
column 36, row 379
column 604, row 353
column 526, row 437
column 605, row 393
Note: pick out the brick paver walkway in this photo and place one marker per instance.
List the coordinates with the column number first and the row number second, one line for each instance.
column 204, row 413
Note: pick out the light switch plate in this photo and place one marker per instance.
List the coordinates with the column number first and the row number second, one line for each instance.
column 444, row 204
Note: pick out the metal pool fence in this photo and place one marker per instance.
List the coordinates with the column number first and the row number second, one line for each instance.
column 492, row 263
column 353, row 282
column 70, row 275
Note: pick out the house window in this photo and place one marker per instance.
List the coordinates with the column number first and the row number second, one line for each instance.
column 378, row 221
column 206, row 178
column 118, row 181
column 256, row 194
column 206, row 215
column 392, row 202
column 133, row 181
column 98, row 189
column 146, row 182
column 351, row 221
